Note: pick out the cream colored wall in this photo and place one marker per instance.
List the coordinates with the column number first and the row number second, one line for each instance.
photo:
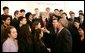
column 31, row 5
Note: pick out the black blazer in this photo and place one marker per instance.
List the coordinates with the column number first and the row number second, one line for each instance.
column 64, row 41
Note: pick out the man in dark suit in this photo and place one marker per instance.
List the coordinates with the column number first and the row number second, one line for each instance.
column 52, row 35
column 5, row 12
column 63, row 38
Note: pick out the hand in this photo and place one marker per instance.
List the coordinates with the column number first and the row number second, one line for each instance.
column 49, row 49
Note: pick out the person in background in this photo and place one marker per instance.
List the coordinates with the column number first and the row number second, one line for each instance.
column 75, row 36
column 81, row 19
column 6, row 23
column 15, row 22
column 37, row 13
column 22, row 11
column 80, row 11
column 29, row 18
column 61, row 11
column 10, row 44
column 5, row 12
column 57, row 13
column 81, row 33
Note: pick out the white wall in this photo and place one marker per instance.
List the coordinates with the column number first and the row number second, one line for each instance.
column 31, row 5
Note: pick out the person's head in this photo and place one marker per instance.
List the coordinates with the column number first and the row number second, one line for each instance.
column 81, row 31
column 64, row 15
column 43, row 15
column 72, row 15
column 16, row 14
column 28, row 15
column 22, row 11
column 60, row 23
column 47, row 9
column 22, row 20
column 6, row 10
column 70, row 12
column 36, row 24
column 6, row 20
column 55, row 22
column 56, row 11
column 11, row 32
column 61, row 11
column 80, row 11
column 76, row 23
column 36, row 10
column 81, row 15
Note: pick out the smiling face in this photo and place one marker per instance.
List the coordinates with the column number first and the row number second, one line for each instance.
column 7, row 21
column 13, row 33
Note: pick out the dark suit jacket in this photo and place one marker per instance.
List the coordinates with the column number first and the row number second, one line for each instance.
column 64, row 41
column 15, row 23
column 30, row 23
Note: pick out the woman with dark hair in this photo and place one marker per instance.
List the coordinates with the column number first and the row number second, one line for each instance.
column 25, row 42
column 24, row 36
column 29, row 18
column 81, row 33
column 10, row 44
column 6, row 23
column 39, row 45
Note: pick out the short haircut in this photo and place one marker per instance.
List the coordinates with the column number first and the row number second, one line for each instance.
column 56, row 9
column 20, row 18
column 64, row 13
column 47, row 8
column 5, row 17
column 54, row 19
column 81, row 14
column 72, row 13
column 80, row 11
column 36, row 9
column 16, row 12
column 28, row 14
column 76, row 21
column 22, row 10
column 61, row 10
column 5, row 7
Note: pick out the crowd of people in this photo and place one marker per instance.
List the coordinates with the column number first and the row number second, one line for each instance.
column 42, row 32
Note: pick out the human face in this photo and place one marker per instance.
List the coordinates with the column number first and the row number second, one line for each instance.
column 37, row 11
column 48, row 10
column 23, row 13
column 6, row 11
column 30, row 17
column 63, row 16
column 72, row 15
column 7, row 21
column 56, row 12
column 13, row 33
column 55, row 23
column 23, row 21
column 81, row 32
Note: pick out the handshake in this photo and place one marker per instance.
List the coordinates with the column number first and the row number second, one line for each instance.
column 44, row 30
